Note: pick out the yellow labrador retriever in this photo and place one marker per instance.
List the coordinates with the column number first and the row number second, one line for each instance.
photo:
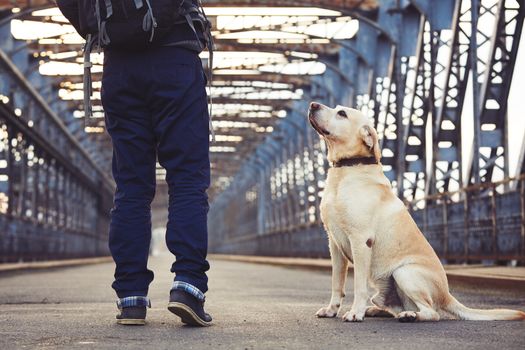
column 367, row 224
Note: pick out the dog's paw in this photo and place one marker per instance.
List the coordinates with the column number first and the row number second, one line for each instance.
column 407, row 316
column 327, row 312
column 374, row 311
column 352, row 316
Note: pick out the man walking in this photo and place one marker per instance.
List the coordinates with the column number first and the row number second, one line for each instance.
column 155, row 103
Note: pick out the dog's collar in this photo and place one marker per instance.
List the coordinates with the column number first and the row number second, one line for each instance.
column 354, row 161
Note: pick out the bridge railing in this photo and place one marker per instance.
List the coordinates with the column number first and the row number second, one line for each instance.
column 481, row 222
column 484, row 221
column 54, row 200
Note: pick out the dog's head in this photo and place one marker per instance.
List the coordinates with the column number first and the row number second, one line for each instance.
column 347, row 132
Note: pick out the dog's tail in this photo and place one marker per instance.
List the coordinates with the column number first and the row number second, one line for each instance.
column 461, row 311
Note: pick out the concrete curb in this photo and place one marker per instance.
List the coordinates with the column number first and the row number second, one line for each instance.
column 39, row 265
column 465, row 275
column 492, row 282
column 319, row 264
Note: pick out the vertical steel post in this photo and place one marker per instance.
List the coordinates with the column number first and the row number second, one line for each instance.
column 46, row 190
column 494, row 221
column 445, row 226
column 82, row 210
column 261, row 203
column 10, row 173
column 466, row 224
column 475, row 87
column 36, row 187
column 23, row 179
column 522, row 216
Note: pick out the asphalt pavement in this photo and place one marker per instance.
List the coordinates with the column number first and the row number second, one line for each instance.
column 254, row 307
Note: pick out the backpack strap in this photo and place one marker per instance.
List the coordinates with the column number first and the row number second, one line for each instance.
column 102, row 36
column 149, row 23
column 87, row 81
column 109, row 8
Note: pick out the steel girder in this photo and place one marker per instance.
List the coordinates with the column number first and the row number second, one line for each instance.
column 438, row 88
column 49, row 207
column 494, row 80
column 442, row 95
column 409, row 72
column 329, row 4
column 408, row 68
column 447, row 161
column 9, row 4
column 324, row 50
column 34, row 111
column 336, row 5
column 295, row 80
column 55, row 199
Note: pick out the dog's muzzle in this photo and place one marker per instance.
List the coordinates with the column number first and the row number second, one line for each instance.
column 317, row 127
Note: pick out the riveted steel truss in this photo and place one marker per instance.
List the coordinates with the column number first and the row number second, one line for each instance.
column 54, row 199
column 417, row 68
column 410, row 73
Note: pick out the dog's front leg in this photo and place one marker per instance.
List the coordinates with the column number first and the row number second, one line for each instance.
column 339, row 273
column 361, row 255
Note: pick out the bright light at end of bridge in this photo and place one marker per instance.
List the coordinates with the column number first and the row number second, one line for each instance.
column 222, row 149
column 228, row 138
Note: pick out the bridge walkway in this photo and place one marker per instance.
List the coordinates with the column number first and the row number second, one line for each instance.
column 255, row 306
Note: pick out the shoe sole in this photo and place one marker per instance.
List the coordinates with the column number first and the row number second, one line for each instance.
column 132, row 322
column 187, row 315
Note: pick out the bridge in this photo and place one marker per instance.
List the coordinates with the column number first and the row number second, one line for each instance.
column 441, row 80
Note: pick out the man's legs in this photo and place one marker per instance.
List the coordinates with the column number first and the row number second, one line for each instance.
column 129, row 124
column 179, row 105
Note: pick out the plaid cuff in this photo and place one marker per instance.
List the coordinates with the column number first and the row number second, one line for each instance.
column 188, row 288
column 133, row 301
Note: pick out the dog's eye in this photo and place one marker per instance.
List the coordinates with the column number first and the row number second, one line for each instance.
column 342, row 114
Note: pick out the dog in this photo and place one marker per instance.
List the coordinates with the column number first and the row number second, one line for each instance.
column 371, row 227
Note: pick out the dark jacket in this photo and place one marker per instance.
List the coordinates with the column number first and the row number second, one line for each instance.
column 69, row 9
column 181, row 35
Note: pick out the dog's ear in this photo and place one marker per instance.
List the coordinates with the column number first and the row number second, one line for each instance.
column 369, row 136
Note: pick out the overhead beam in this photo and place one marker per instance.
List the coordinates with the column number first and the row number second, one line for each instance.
column 327, row 4
column 7, row 4
column 328, row 49
column 336, row 5
column 296, row 80
column 281, row 104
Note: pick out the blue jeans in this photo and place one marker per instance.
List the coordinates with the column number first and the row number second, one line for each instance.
column 156, row 106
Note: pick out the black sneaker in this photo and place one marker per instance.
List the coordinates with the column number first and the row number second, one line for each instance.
column 132, row 315
column 188, row 308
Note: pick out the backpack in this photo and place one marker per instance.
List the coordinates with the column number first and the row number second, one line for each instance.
column 134, row 24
